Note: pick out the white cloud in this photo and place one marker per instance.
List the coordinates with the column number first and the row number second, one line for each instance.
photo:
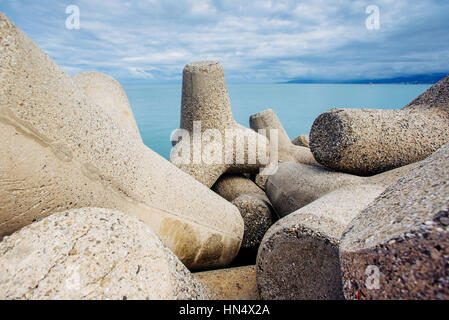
column 263, row 40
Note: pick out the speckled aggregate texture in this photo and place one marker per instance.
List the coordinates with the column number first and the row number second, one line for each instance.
column 110, row 95
column 230, row 284
column 287, row 151
column 61, row 150
column 405, row 235
column 302, row 141
column 299, row 256
column 367, row 141
column 436, row 97
column 256, row 210
column 295, row 185
column 92, row 253
column 205, row 99
column 230, row 186
column 258, row 216
column 261, row 181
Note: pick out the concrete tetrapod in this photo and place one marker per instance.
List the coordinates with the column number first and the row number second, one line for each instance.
column 230, row 284
column 258, row 216
column 261, row 181
column 368, row 141
column 287, row 150
column 210, row 142
column 60, row 150
column 302, row 140
column 231, row 186
column 295, row 185
column 398, row 247
column 299, row 256
column 92, row 253
column 256, row 210
column 109, row 94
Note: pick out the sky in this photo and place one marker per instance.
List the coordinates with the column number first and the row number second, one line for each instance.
column 266, row 40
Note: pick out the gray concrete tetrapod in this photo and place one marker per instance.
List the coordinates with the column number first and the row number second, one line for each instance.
column 210, row 142
column 110, row 95
column 398, row 247
column 299, row 256
column 295, row 185
column 61, row 149
column 302, row 140
column 230, row 284
column 368, row 141
column 92, row 254
column 286, row 149
column 256, row 210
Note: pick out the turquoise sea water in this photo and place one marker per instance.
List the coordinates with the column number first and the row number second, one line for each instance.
column 157, row 106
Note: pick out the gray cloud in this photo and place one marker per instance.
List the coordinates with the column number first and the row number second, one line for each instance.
column 259, row 40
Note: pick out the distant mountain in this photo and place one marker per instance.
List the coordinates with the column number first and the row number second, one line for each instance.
column 414, row 79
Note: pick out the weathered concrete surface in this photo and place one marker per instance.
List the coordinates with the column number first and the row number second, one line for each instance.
column 287, row 151
column 220, row 145
column 302, row 141
column 398, row 247
column 261, row 181
column 231, row 186
column 295, row 185
column 299, row 256
column 258, row 216
column 92, row 253
column 230, row 284
column 367, row 141
column 110, row 95
column 256, row 210
column 60, row 150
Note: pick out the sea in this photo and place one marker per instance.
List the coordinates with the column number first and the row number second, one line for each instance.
column 157, row 107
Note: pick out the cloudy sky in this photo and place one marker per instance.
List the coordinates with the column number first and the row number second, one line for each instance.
column 259, row 40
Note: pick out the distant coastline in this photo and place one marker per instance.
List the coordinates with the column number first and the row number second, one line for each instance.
column 414, row 79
